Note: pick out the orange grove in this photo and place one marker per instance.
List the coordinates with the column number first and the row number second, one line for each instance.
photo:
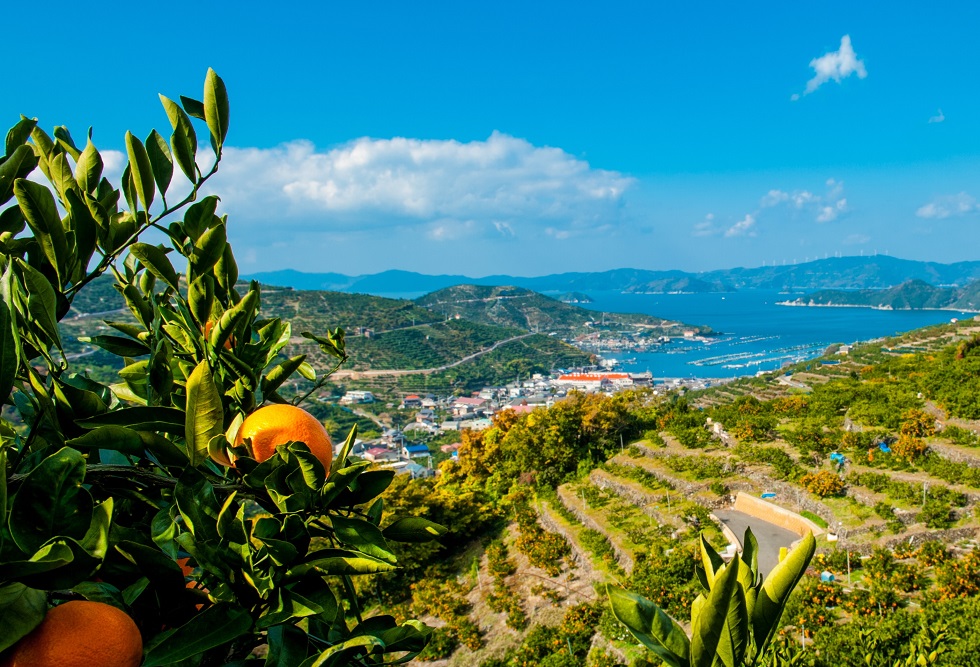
column 80, row 633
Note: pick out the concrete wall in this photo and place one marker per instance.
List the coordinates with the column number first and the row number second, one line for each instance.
column 775, row 514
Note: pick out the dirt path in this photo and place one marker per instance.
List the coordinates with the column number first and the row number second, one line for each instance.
column 355, row 375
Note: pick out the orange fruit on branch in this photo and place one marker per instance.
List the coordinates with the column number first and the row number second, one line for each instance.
column 80, row 633
column 277, row 424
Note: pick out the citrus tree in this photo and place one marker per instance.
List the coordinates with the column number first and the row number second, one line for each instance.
column 142, row 494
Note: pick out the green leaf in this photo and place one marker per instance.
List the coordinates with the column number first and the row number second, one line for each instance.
column 21, row 610
column 200, row 297
column 288, row 646
column 650, row 625
column 161, row 161
column 141, row 418
column 208, row 249
column 194, row 108
column 204, row 416
column 216, row 107
column 708, row 622
column 776, row 589
column 750, row 552
column 115, row 438
column 333, row 344
column 369, row 485
column 274, row 379
column 51, row 502
column 200, row 217
column 42, row 303
column 156, row 262
column 140, row 170
column 88, row 169
column 63, row 137
column 710, row 560
column 18, row 165
column 122, row 347
column 413, row 529
column 735, row 635
column 197, row 504
column 232, row 317
column 183, row 141
column 339, row 561
column 215, row 626
column 19, row 133
column 37, row 204
column 9, row 354
column 363, row 536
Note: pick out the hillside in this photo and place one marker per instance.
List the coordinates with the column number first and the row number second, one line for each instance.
column 518, row 307
column 911, row 295
column 850, row 273
column 382, row 333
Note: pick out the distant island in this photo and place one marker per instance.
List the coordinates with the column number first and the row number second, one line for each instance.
column 910, row 295
column 574, row 297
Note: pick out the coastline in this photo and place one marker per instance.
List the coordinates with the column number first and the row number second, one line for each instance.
column 812, row 304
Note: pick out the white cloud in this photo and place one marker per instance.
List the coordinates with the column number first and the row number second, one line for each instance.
column 835, row 65
column 503, row 185
column 949, row 206
column 744, row 227
column 938, row 118
column 825, row 208
column 706, row 227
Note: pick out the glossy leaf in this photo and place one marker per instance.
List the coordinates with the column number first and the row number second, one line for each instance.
column 18, row 134
column 215, row 626
column 115, row 438
column 776, row 589
column 140, row 418
column 161, row 161
column 413, row 529
column 156, row 262
column 274, row 379
column 339, row 561
column 183, row 141
column 51, row 502
column 140, row 170
column 708, row 623
column 21, row 610
column 363, row 536
column 204, row 416
column 123, row 347
column 18, row 165
column 9, row 354
column 88, row 169
column 37, row 204
column 650, row 625
column 216, row 107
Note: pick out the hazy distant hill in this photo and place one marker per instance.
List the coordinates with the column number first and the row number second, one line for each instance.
column 910, row 295
column 511, row 306
column 848, row 273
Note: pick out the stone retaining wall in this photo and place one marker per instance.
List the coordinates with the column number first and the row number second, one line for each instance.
column 624, row 559
column 775, row 514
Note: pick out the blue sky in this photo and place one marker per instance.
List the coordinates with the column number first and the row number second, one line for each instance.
column 507, row 138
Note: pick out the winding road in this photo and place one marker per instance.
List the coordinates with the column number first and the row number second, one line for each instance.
column 354, row 375
column 770, row 536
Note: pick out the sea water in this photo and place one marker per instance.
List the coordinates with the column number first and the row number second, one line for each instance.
column 755, row 334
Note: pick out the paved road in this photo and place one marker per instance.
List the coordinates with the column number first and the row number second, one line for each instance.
column 770, row 537
column 426, row 371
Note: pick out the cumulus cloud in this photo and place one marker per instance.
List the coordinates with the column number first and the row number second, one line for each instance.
column 825, row 208
column 949, row 207
column 744, row 227
column 835, row 66
column 500, row 186
column 938, row 118
column 706, row 227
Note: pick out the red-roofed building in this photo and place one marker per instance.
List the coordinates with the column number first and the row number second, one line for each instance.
column 595, row 381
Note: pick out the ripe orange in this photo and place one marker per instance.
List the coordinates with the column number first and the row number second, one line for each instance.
column 80, row 633
column 278, row 424
column 230, row 343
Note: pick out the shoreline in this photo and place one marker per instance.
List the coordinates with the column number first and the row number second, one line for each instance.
column 811, row 304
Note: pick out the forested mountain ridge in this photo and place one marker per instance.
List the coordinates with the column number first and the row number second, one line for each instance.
column 911, row 295
column 873, row 272
column 519, row 307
